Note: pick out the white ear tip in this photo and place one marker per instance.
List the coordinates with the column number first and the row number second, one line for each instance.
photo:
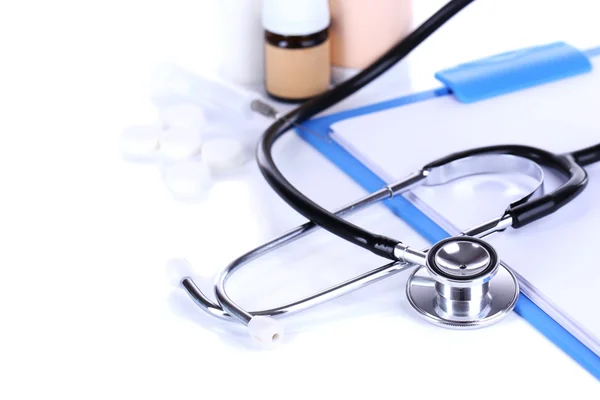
column 267, row 332
column 177, row 269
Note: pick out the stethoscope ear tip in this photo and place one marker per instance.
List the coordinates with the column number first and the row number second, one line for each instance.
column 266, row 332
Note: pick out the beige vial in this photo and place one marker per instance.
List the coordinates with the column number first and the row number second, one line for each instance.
column 362, row 30
column 297, row 52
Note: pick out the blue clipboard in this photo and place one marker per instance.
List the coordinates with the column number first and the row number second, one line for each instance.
column 470, row 82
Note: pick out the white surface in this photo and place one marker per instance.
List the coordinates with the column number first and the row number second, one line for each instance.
column 87, row 309
column 295, row 17
column 177, row 269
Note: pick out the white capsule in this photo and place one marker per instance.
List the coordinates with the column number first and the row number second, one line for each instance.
column 185, row 115
column 140, row 142
column 224, row 154
column 187, row 180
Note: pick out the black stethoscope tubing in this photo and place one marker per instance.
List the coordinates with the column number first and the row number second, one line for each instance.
column 570, row 165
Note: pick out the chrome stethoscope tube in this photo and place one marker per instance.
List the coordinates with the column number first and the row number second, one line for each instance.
column 227, row 309
column 216, row 310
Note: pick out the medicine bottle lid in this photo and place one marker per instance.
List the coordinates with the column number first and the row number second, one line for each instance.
column 295, row 17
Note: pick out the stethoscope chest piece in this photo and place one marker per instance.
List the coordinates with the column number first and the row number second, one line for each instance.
column 463, row 285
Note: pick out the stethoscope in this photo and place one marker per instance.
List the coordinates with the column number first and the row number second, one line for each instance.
column 459, row 282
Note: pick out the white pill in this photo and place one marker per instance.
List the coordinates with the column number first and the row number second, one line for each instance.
column 140, row 142
column 224, row 154
column 187, row 180
column 179, row 143
column 186, row 115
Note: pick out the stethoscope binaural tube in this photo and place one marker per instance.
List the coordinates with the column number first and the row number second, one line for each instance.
column 525, row 212
column 587, row 156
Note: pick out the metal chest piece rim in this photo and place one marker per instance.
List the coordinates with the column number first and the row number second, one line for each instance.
column 463, row 285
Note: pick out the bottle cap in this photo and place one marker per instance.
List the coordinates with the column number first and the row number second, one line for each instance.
column 295, row 17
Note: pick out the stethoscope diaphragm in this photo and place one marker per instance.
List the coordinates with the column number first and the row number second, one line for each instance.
column 463, row 285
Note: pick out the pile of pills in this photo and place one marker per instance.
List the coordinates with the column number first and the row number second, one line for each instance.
column 187, row 149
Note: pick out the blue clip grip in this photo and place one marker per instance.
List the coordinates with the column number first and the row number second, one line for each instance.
column 512, row 71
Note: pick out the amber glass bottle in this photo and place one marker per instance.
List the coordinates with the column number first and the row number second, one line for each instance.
column 297, row 52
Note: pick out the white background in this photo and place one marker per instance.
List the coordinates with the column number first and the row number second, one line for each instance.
column 87, row 309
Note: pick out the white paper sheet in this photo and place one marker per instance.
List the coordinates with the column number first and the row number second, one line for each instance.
column 556, row 255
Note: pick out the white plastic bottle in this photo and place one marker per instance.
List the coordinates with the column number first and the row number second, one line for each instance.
column 241, row 36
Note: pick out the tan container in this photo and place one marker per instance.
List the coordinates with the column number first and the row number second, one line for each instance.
column 362, row 30
column 297, row 74
column 297, row 50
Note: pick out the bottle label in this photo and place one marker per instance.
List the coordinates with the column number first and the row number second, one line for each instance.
column 297, row 73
